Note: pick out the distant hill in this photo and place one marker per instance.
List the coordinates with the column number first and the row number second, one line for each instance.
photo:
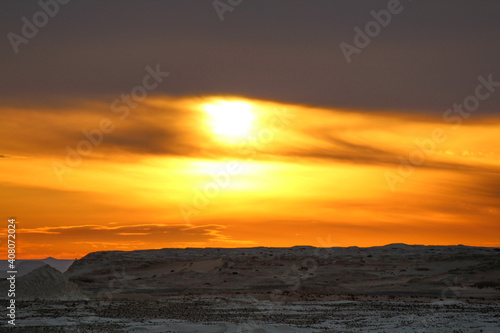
column 23, row 267
column 300, row 271
column 45, row 283
column 61, row 265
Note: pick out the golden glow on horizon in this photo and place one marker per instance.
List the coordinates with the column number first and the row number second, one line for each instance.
column 296, row 174
column 230, row 118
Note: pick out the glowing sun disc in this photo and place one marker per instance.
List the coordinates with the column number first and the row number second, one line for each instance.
column 233, row 119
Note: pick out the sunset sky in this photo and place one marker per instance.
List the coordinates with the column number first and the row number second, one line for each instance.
column 155, row 124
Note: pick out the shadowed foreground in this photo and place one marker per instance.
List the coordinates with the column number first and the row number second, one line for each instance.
column 394, row 288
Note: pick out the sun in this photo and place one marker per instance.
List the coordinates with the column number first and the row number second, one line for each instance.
column 233, row 119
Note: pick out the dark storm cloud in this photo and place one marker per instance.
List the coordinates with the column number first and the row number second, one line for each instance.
column 428, row 58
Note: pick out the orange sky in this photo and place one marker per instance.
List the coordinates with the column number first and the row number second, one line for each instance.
column 226, row 171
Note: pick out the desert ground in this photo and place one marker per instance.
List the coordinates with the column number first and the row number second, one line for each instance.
column 393, row 288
